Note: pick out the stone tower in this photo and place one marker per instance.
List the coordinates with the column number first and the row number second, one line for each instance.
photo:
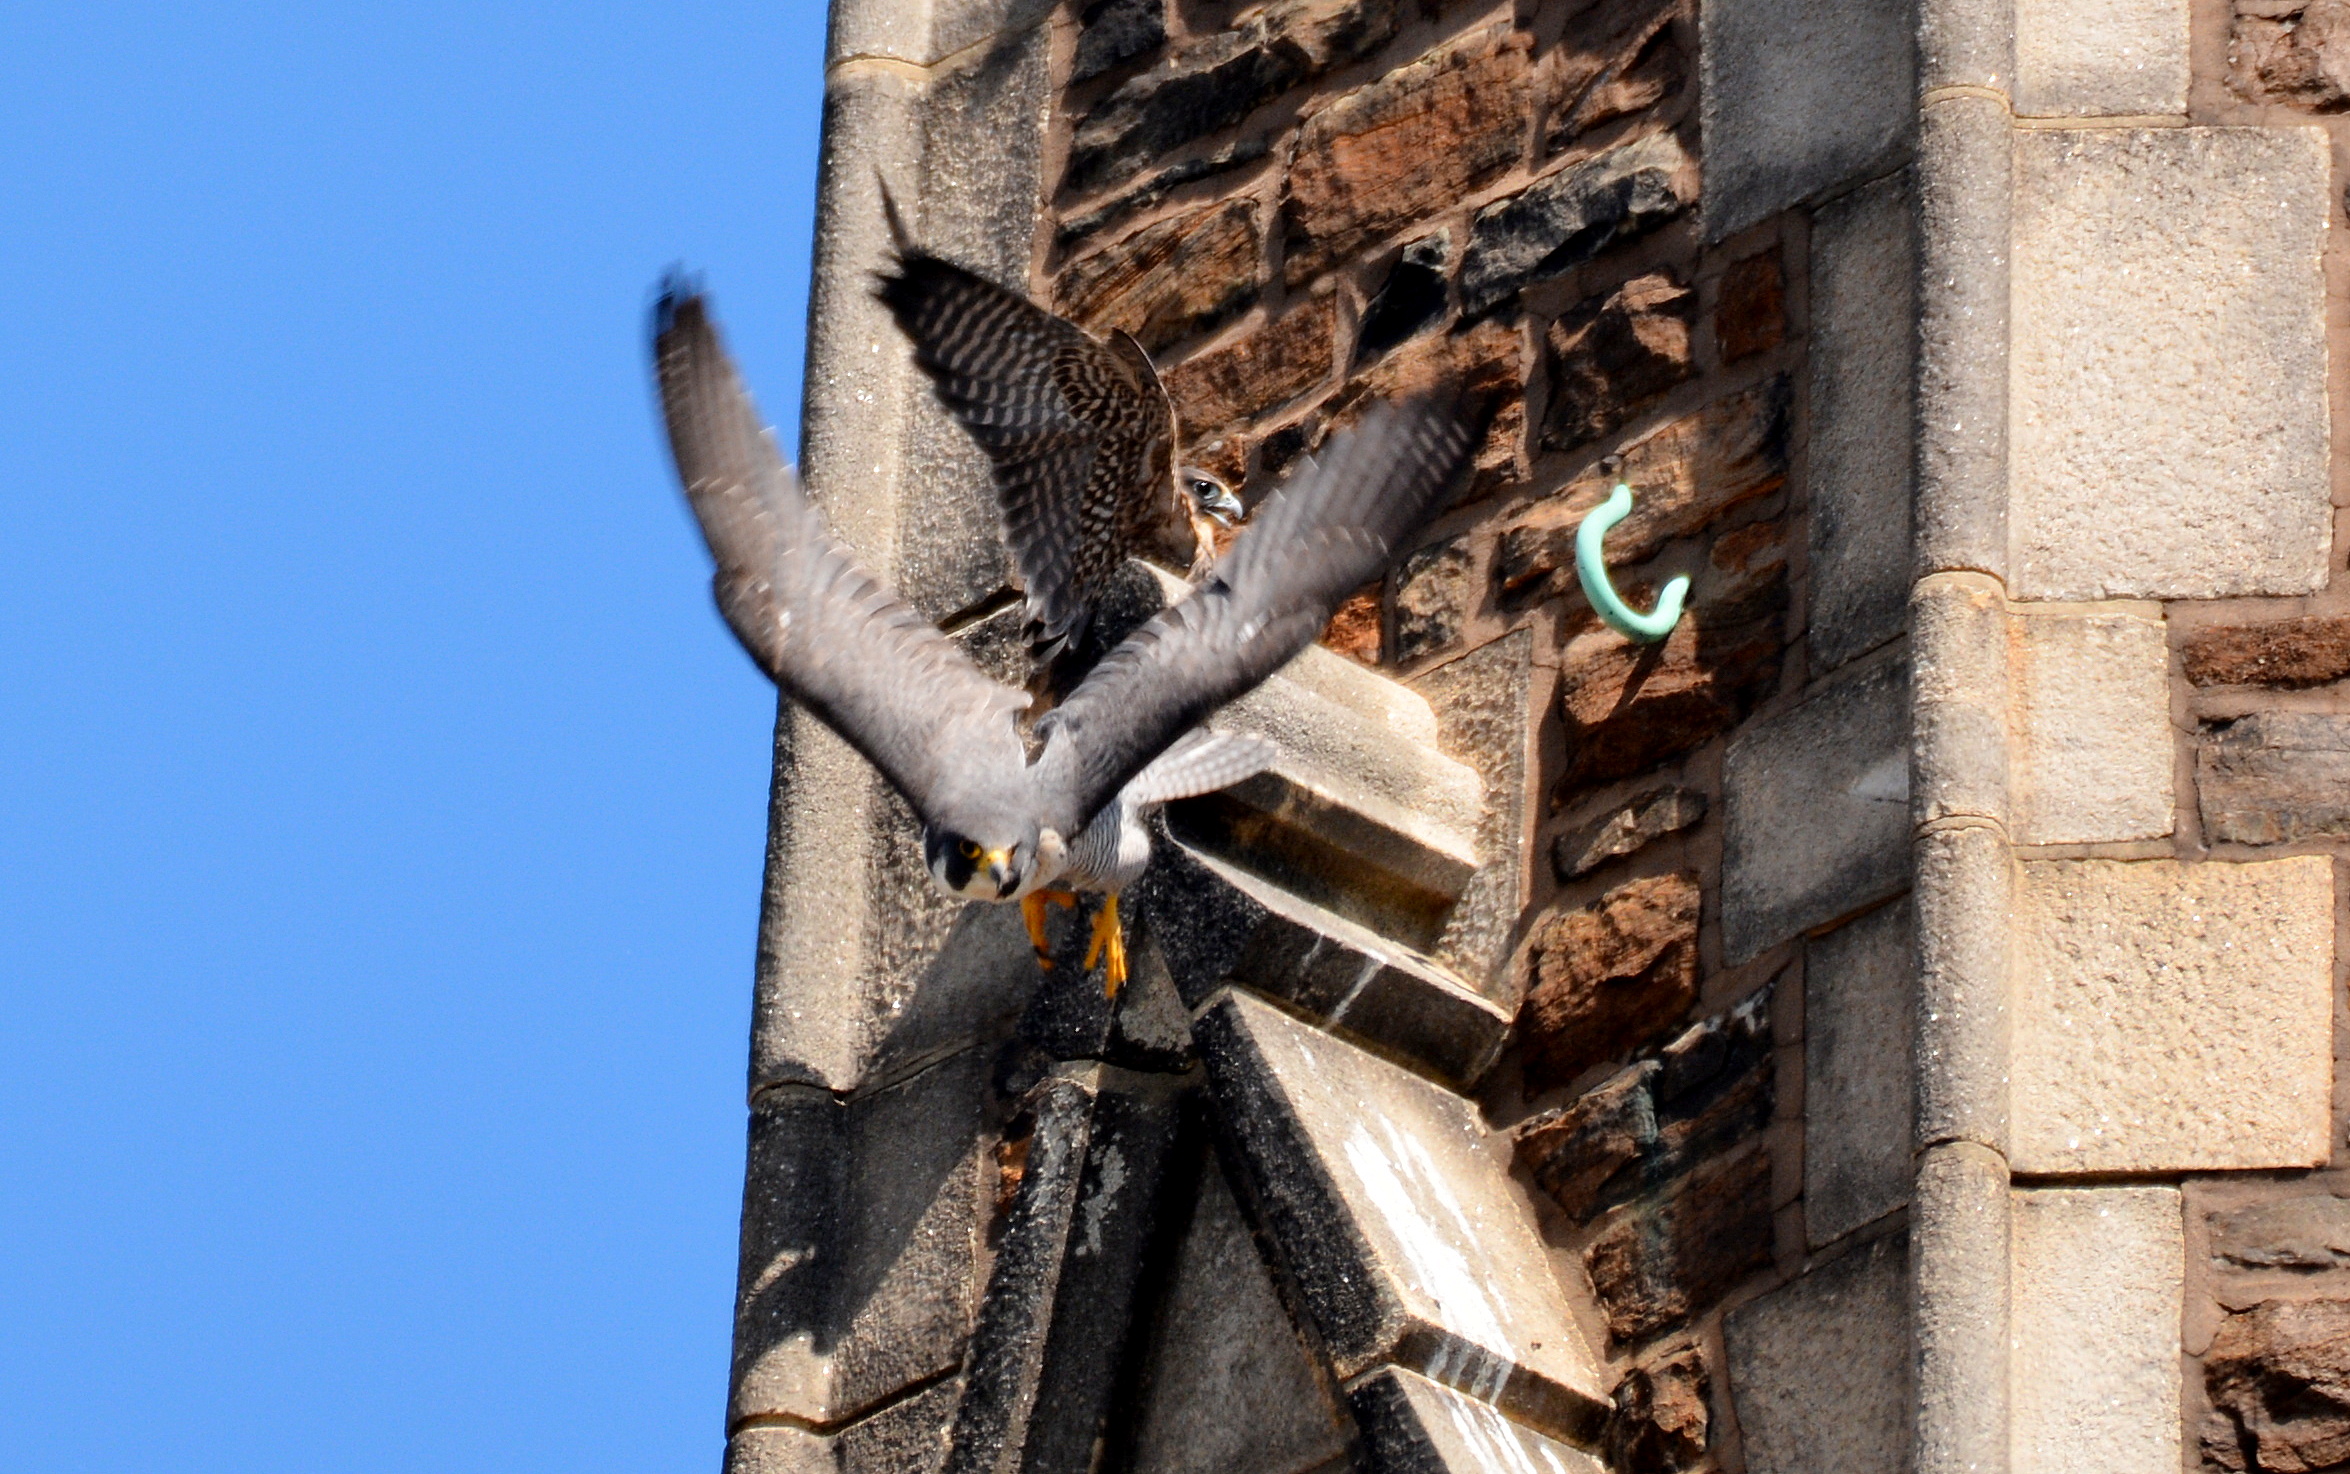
column 1886, row 1025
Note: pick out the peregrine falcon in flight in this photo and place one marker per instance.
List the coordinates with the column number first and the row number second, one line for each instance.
column 1031, row 811
column 1080, row 433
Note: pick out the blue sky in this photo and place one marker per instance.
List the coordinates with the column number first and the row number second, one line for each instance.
column 382, row 800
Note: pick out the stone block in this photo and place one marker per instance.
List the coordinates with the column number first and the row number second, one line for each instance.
column 923, row 35
column 2172, row 1017
column 2291, row 52
column 1169, row 281
column 1659, row 1261
column 1816, row 805
column 2287, row 653
column 2098, row 1284
column 1395, row 1218
column 1750, row 316
column 1314, row 961
column 1820, row 1368
column 1860, row 989
column 2278, row 1379
column 1114, row 32
column 1611, row 63
column 1040, row 1379
column 860, row 1244
column 1625, row 829
column 1610, row 976
column 1612, row 357
column 907, row 1437
column 2275, row 777
column 1484, row 707
column 1863, row 368
column 1800, row 96
column 1399, row 149
column 1153, row 189
column 2310, row 1231
column 1411, row 1425
column 1438, row 589
column 1569, row 216
column 1256, row 373
column 1411, row 299
column 1664, row 1412
column 1227, row 1386
column 2115, row 58
column 1209, row 85
column 2169, row 416
column 1703, row 1095
column 1686, row 475
column 2092, row 710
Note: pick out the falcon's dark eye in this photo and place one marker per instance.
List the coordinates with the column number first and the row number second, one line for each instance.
column 970, row 849
column 1202, row 487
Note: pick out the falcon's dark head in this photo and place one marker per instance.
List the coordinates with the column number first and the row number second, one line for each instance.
column 992, row 868
column 1210, row 496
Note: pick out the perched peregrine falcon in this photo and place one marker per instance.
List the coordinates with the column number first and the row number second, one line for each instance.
column 1031, row 813
column 1080, row 432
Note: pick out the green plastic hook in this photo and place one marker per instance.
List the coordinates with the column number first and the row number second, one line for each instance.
column 1591, row 568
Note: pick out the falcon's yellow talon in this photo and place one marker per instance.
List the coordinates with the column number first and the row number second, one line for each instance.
column 1032, row 912
column 1109, row 938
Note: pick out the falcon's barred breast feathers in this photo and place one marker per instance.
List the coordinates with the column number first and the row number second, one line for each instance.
column 1007, row 815
column 1080, row 433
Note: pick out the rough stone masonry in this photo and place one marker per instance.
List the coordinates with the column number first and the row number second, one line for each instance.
column 1888, row 1024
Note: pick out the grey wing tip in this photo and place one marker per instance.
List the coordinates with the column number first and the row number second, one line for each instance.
column 679, row 302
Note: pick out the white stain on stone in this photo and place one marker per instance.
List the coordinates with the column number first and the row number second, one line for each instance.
column 1098, row 1204
column 1482, row 1354
column 1496, row 1446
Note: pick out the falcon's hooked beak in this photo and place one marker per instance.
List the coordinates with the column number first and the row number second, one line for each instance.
column 1213, row 498
column 997, row 865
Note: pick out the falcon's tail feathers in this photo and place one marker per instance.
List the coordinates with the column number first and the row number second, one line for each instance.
column 1200, row 762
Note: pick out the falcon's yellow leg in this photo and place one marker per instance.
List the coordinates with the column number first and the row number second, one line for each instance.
column 1032, row 911
column 1109, row 937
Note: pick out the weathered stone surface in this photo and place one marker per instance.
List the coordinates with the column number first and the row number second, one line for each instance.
column 1799, row 96
column 1397, row 150
column 929, row 34
column 1217, row 81
column 1397, row 1224
column 1114, row 32
column 1261, row 371
column 1610, row 358
column 1647, row 815
column 860, row 1242
column 1436, row 591
column 2099, row 1275
column 2092, row 709
column 2118, row 58
column 2311, row 1231
column 1227, row 1387
column 1751, row 315
column 1862, row 364
column 1631, row 706
column 1411, row 1425
column 1571, row 215
column 2278, row 1376
column 1662, row 1416
column 1816, row 811
column 1484, row 706
column 1609, row 976
column 1317, row 962
column 2295, row 52
column 2275, row 777
column 906, row 1437
column 1484, row 363
column 1703, row 1094
column 1169, row 281
column 1153, row 189
column 1039, row 1380
column 1354, row 630
column 1684, row 475
column 1613, row 61
column 1410, row 300
column 2172, row 1017
column 2169, row 338
column 1820, row 1368
column 2288, row 653
column 1860, row 986
column 1664, row 1258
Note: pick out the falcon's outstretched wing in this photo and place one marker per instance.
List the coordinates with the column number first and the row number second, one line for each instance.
column 1079, row 432
column 1336, row 523
column 829, row 633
